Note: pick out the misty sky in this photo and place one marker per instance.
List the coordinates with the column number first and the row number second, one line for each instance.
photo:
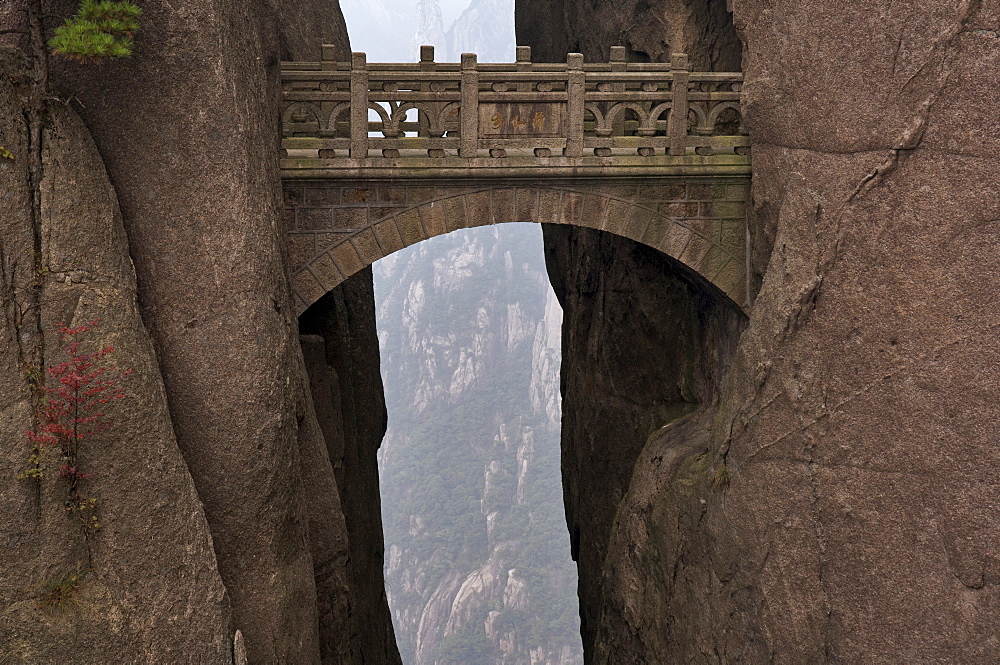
column 450, row 9
column 383, row 28
column 393, row 30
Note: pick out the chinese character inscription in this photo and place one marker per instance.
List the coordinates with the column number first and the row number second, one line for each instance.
column 513, row 119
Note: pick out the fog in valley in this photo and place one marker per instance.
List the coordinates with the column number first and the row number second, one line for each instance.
column 478, row 567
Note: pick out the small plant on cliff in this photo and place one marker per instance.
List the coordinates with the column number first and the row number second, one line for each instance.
column 72, row 411
column 722, row 478
column 100, row 29
column 60, row 593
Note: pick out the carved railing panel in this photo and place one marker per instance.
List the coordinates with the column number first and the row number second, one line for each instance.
column 360, row 110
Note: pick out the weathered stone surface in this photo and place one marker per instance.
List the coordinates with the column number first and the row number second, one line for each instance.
column 230, row 377
column 842, row 513
column 646, row 214
column 654, row 519
column 150, row 590
column 857, row 427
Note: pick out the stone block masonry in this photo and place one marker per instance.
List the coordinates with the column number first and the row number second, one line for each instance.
column 338, row 227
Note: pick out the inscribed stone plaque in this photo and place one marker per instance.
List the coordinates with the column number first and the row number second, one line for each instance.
column 510, row 119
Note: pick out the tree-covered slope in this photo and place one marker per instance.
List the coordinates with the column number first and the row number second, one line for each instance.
column 477, row 554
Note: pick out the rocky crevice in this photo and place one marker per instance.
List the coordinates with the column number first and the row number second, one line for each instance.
column 637, row 409
column 346, row 389
column 646, row 346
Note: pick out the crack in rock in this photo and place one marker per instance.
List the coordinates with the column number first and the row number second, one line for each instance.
column 914, row 133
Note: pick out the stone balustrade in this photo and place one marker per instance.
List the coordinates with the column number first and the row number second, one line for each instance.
column 566, row 116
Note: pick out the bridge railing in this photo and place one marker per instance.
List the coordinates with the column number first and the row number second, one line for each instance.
column 335, row 110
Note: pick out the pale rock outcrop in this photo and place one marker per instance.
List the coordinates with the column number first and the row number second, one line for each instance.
column 545, row 363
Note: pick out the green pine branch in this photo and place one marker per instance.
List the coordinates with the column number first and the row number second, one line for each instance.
column 100, row 29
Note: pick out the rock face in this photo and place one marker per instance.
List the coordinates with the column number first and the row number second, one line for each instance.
column 644, row 347
column 839, row 509
column 187, row 129
column 857, row 427
column 649, row 30
column 154, row 528
column 200, row 201
column 478, row 569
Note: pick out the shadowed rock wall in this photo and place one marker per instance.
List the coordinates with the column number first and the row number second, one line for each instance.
column 645, row 346
column 341, row 352
column 649, row 30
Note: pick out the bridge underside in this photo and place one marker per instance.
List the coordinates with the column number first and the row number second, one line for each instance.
column 339, row 223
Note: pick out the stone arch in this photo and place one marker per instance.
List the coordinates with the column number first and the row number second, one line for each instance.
column 700, row 224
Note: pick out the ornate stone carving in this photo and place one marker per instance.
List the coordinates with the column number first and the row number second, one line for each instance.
column 359, row 110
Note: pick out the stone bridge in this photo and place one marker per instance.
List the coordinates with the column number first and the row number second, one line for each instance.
column 376, row 157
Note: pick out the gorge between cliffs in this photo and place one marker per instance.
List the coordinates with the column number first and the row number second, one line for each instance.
column 809, row 475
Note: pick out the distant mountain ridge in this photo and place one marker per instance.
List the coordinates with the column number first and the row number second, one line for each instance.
column 478, row 570
column 485, row 28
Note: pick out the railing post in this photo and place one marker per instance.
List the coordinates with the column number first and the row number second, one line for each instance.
column 618, row 64
column 617, row 58
column 427, row 64
column 677, row 129
column 328, row 58
column 575, row 89
column 469, row 141
column 359, row 106
column 427, row 58
column 328, row 63
column 523, row 64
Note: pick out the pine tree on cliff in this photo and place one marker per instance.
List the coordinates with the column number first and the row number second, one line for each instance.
column 99, row 29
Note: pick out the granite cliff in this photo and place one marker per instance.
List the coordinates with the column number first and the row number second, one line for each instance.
column 222, row 530
column 811, row 480
column 839, row 508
